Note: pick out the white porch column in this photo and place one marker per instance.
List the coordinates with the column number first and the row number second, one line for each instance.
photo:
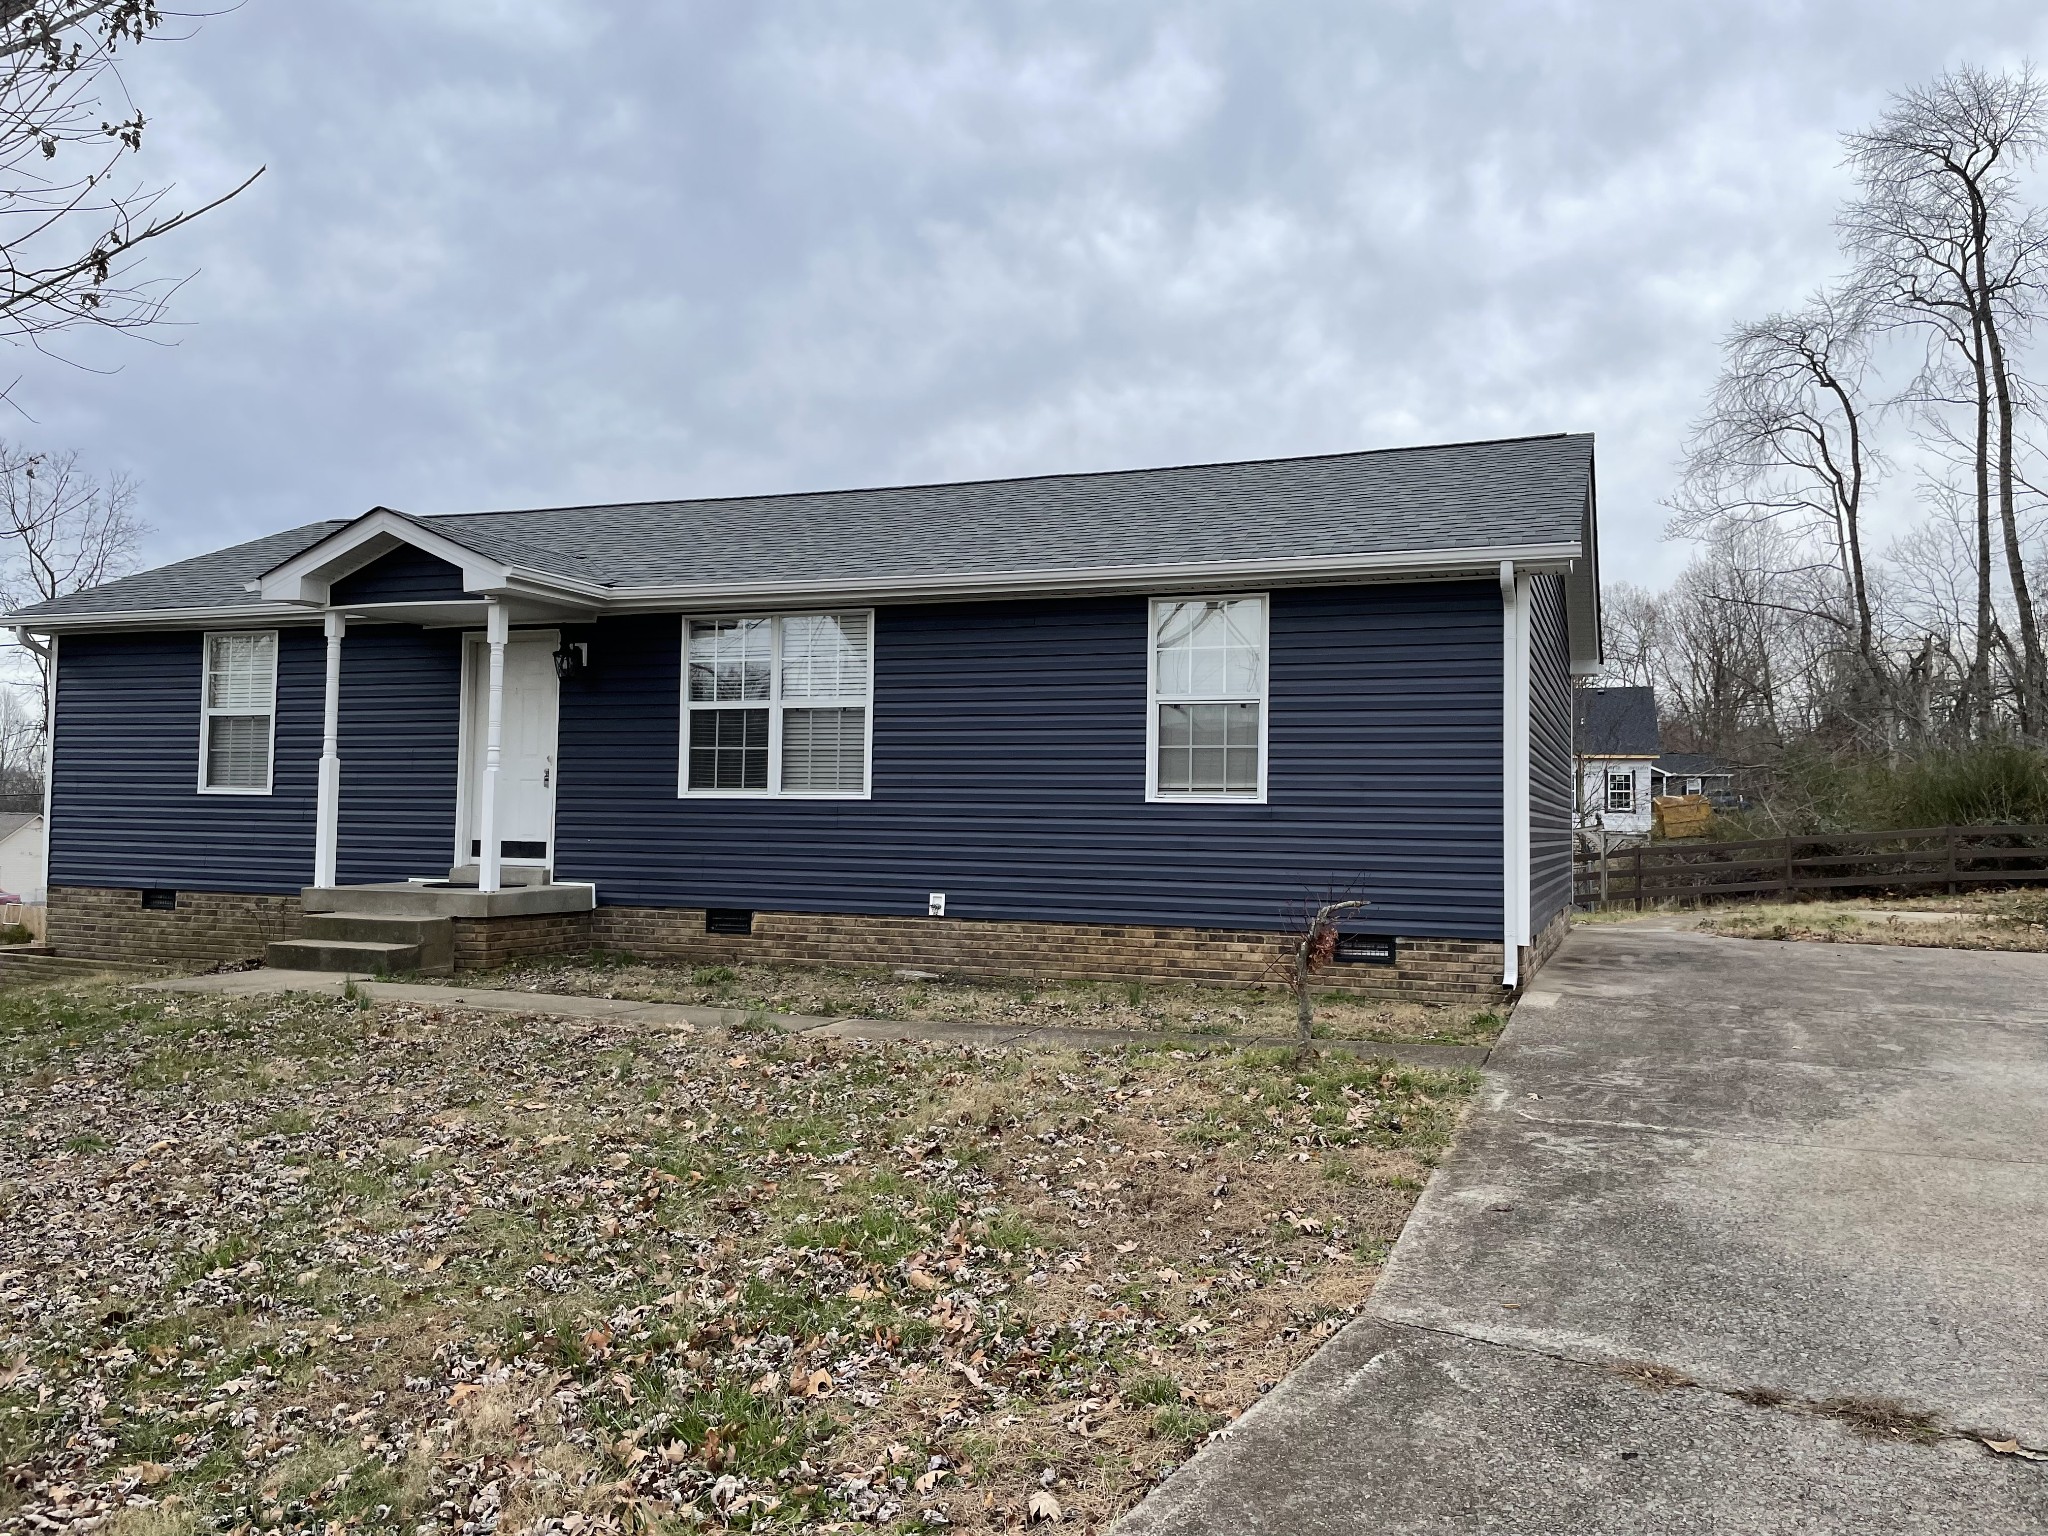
column 327, row 821
column 497, row 628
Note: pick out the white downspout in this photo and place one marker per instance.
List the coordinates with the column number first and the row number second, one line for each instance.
column 1512, row 784
column 49, row 776
column 1523, row 872
column 327, row 824
column 497, row 630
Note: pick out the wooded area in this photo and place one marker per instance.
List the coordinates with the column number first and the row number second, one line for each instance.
column 1798, row 642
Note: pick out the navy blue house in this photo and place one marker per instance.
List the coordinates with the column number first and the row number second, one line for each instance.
column 1097, row 724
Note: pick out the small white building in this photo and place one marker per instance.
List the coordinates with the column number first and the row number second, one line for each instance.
column 21, row 856
column 1615, row 736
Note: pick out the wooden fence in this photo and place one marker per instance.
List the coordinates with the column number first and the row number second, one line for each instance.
column 1946, row 858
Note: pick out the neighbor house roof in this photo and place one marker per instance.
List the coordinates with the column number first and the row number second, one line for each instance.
column 1615, row 722
column 1691, row 765
column 1410, row 508
column 12, row 822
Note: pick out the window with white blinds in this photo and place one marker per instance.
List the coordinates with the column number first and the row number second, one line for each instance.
column 777, row 705
column 1208, row 722
column 238, row 712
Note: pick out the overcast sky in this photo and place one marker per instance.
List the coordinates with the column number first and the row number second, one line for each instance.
column 535, row 252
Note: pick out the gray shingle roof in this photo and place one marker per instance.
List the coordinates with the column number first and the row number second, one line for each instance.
column 1691, row 764
column 1457, row 496
column 205, row 581
column 1615, row 722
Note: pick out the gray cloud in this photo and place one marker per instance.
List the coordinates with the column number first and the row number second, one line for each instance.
column 522, row 252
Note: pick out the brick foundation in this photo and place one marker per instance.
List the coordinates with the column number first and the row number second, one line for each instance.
column 1427, row 970
column 205, row 928
column 216, row 927
column 1538, row 954
column 482, row 943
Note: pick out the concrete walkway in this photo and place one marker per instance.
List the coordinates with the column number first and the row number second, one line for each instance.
column 689, row 1016
column 1721, row 1199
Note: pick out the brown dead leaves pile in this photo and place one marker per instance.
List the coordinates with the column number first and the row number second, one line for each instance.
column 294, row 1266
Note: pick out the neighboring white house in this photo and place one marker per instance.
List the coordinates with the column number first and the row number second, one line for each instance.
column 1615, row 736
column 21, row 855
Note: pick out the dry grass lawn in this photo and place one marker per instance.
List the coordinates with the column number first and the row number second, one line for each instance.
column 912, row 996
column 2016, row 919
column 302, row 1265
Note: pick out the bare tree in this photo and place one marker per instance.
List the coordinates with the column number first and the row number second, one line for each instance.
column 1784, row 441
column 71, row 226
column 21, row 752
column 1631, row 634
column 1944, row 240
column 62, row 529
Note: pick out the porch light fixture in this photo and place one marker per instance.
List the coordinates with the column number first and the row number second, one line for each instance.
column 572, row 660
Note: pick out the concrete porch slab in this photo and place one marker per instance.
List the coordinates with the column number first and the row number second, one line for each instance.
column 421, row 898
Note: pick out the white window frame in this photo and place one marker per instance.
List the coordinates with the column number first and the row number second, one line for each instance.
column 207, row 711
column 775, row 704
column 1155, row 610
column 1607, row 800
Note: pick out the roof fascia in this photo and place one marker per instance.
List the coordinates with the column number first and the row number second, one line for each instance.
column 249, row 616
column 302, row 575
column 1583, row 629
column 1079, row 581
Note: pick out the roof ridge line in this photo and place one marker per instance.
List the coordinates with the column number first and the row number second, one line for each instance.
column 940, row 485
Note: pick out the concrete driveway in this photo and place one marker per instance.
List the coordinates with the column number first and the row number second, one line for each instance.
column 1725, row 1207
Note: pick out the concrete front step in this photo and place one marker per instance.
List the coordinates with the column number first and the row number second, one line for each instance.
column 369, row 957
column 434, row 937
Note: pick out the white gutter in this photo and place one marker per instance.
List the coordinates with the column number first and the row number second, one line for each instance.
column 1410, row 565
column 255, row 616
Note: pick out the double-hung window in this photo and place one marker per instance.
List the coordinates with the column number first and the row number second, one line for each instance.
column 1208, row 708
column 777, row 705
column 238, row 712
column 1621, row 790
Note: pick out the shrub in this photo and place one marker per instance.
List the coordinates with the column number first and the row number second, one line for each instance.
column 1993, row 783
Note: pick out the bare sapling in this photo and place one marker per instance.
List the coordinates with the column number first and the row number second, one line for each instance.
column 1313, row 945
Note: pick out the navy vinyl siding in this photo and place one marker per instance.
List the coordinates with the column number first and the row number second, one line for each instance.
column 401, row 696
column 125, row 805
column 406, row 575
column 1009, row 772
column 1553, row 793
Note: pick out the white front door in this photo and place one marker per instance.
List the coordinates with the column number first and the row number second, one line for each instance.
column 526, row 756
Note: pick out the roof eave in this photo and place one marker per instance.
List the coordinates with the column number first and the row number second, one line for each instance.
column 1413, row 565
column 248, row 616
column 1085, row 580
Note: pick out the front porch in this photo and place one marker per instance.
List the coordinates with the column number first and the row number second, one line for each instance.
column 432, row 926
